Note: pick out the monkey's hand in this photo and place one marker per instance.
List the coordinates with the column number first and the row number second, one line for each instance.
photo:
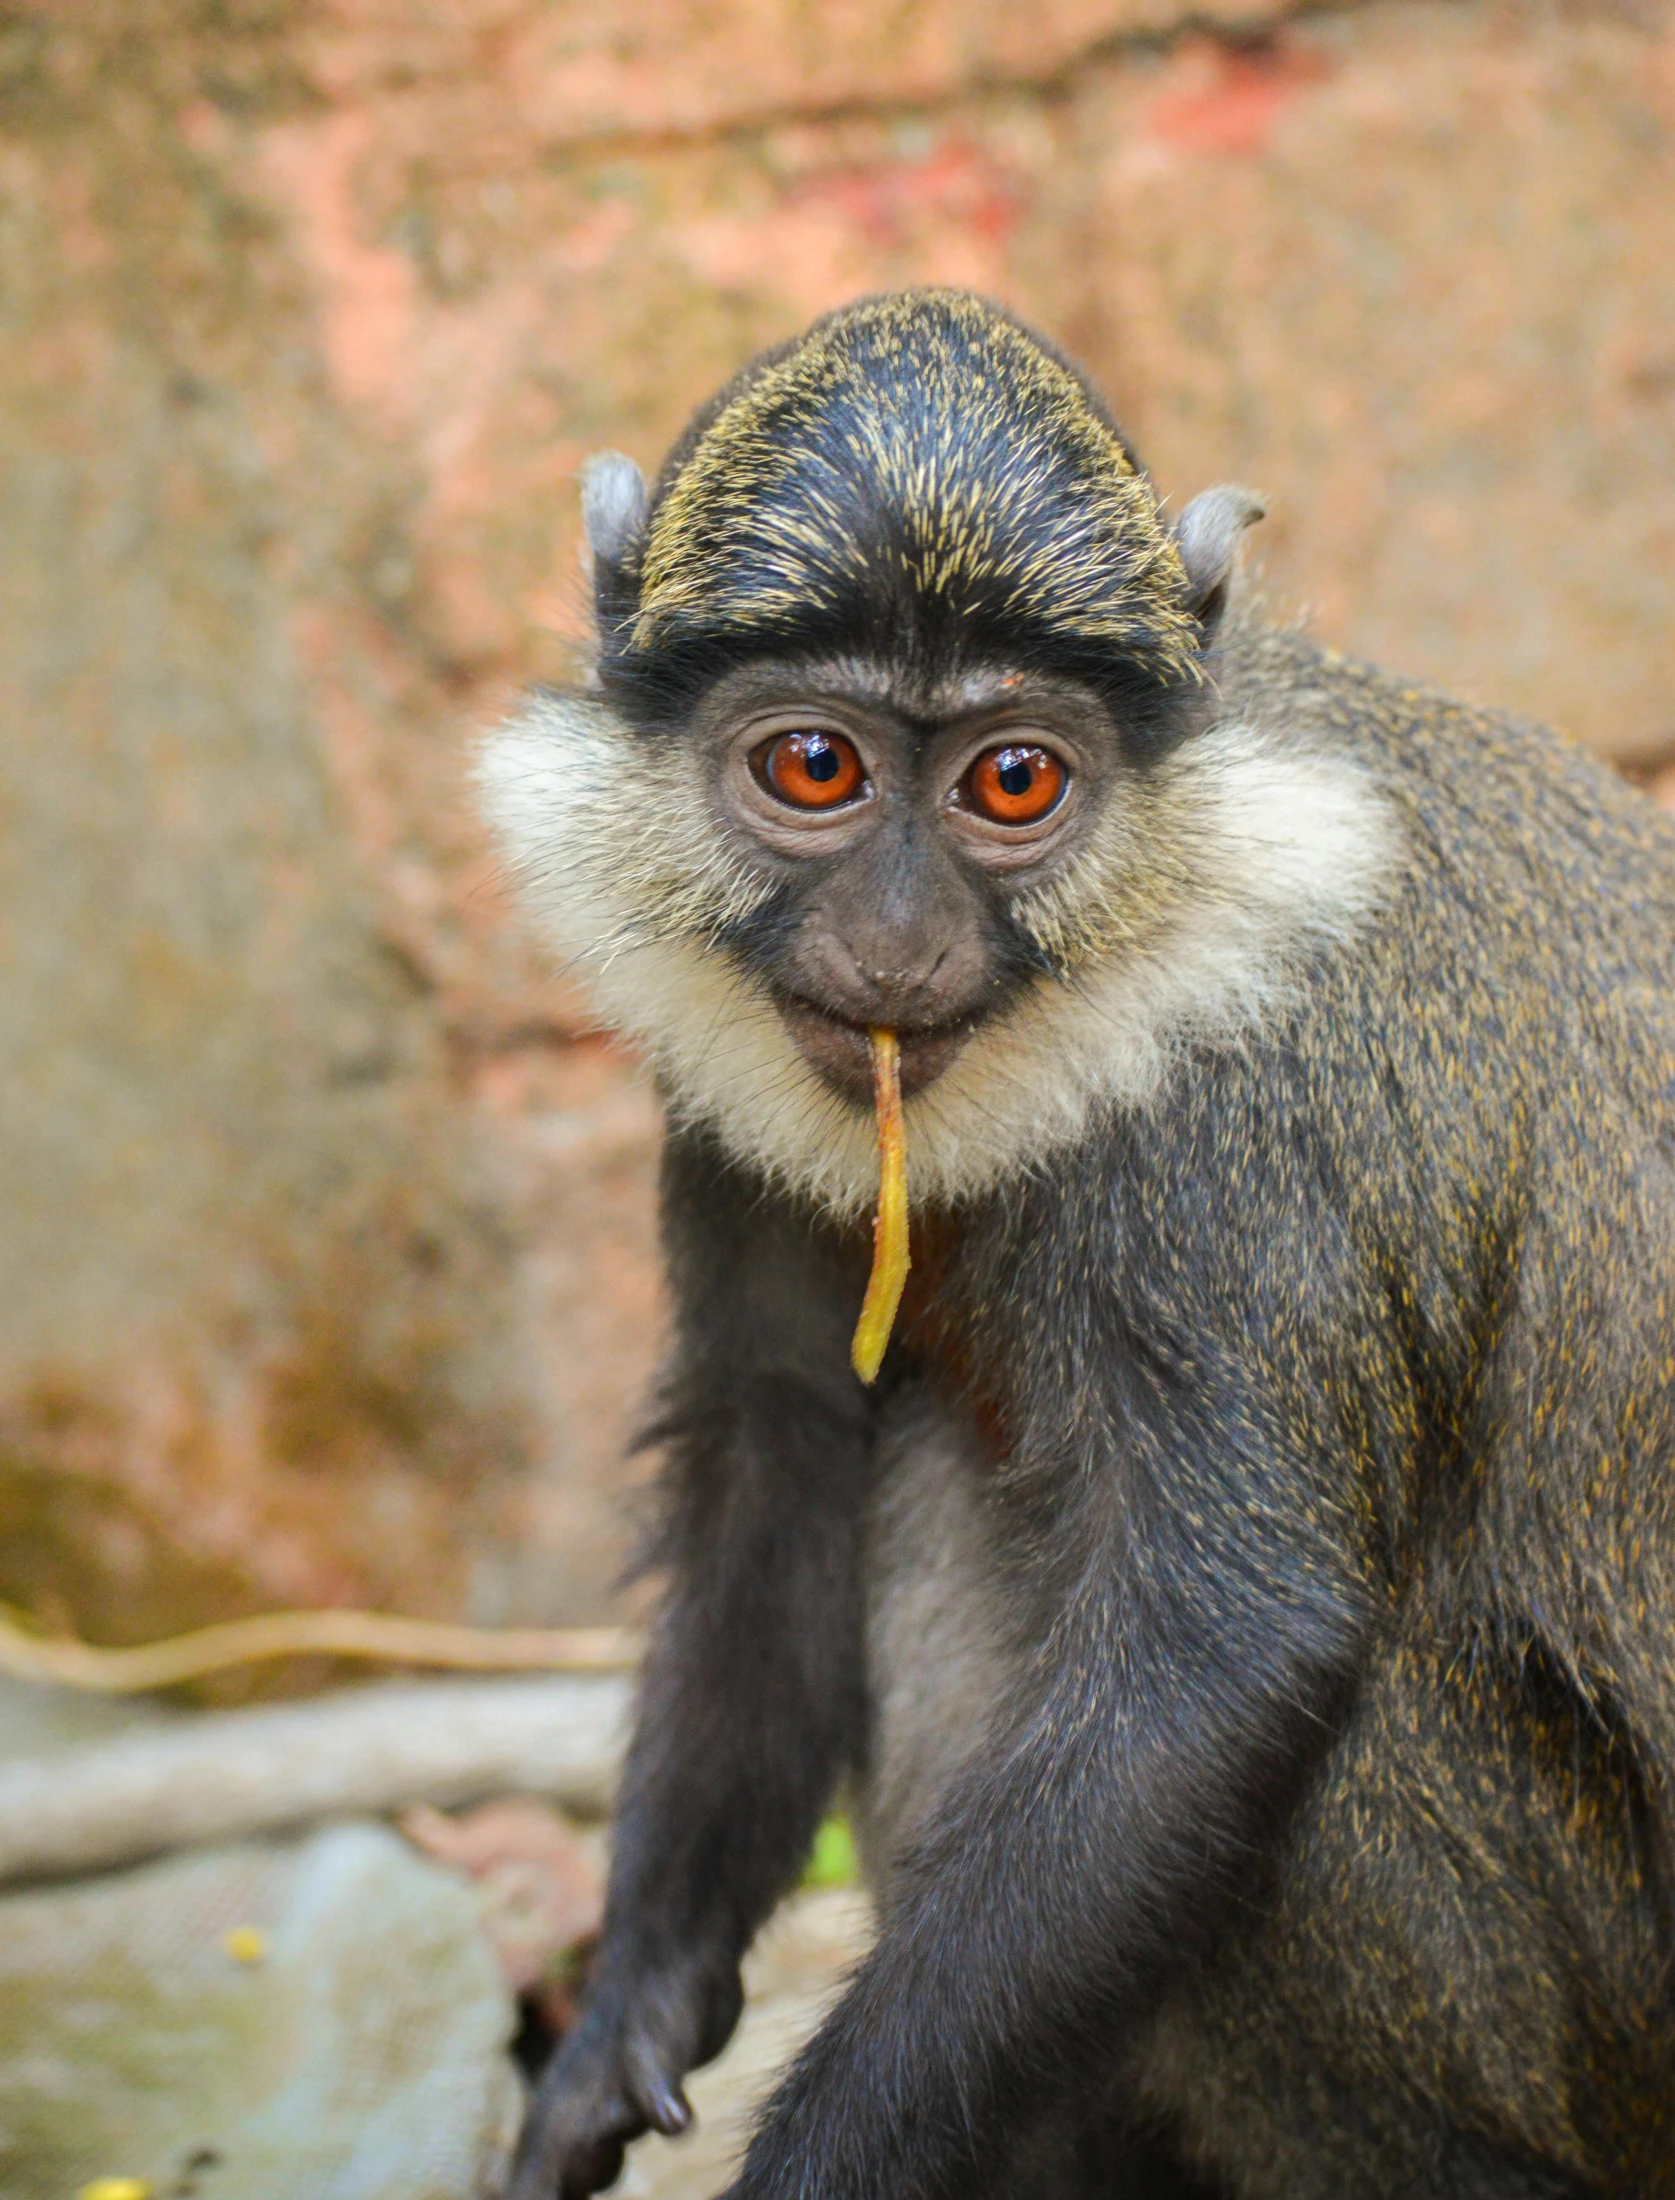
column 619, row 2074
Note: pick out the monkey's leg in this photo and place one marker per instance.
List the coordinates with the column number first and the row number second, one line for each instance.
column 1191, row 1672
column 1459, row 1989
column 1106, row 2158
column 752, row 1699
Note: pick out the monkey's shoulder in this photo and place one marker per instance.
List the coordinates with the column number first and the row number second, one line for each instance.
column 1482, row 794
column 1528, row 912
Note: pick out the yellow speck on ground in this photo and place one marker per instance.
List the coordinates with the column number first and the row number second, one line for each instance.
column 117, row 2188
column 245, row 1944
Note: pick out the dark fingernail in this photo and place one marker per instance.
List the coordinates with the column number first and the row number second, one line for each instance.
column 667, row 2107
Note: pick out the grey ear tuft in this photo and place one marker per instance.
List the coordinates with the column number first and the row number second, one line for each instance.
column 614, row 504
column 1208, row 540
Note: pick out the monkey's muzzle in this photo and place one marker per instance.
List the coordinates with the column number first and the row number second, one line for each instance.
column 842, row 1051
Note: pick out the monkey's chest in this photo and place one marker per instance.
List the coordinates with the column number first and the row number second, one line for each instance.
column 932, row 1324
column 940, row 1645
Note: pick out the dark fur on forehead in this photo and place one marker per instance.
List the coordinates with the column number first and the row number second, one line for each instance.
column 920, row 480
column 879, row 302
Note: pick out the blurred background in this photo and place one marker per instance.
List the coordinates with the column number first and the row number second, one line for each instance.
column 326, row 1247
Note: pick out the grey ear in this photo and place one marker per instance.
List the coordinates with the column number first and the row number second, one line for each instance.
column 614, row 504
column 1208, row 538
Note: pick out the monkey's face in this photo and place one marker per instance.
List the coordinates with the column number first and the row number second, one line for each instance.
column 905, row 713
column 902, row 839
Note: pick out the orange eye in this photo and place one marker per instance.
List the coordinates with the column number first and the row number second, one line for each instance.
column 1015, row 786
column 811, row 771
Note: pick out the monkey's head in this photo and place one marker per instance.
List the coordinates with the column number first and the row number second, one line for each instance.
column 905, row 714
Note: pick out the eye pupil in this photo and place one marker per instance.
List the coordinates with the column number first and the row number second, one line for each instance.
column 1015, row 785
column 810, row 770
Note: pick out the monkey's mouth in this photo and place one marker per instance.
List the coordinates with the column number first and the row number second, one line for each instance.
column 841, row 1052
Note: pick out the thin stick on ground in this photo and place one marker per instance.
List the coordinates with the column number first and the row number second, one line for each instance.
column 331, row 1632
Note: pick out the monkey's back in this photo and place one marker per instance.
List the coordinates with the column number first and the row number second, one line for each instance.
column 1496, row 1057
column 1470, row 1924
column 1499, row 1051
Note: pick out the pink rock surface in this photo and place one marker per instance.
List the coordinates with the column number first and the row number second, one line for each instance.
column 326, row 1252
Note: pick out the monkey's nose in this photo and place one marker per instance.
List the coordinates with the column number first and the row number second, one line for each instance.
column 905, row 985
column 905, row 975
column 885, row 976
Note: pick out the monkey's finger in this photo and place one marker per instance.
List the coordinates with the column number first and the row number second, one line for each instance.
column 663, row 2104
column 573, row 2140
column 589, row 2172
column 556, row 2162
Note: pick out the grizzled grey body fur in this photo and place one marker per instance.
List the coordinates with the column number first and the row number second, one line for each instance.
column 1244, row 1610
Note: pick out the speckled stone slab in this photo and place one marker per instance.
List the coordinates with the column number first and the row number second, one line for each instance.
column 319, row 2020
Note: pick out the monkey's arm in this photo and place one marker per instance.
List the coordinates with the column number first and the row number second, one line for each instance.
column 1193, row 1673
column 751, row 1702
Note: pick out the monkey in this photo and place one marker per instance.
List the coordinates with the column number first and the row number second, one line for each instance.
column 1241, row 1613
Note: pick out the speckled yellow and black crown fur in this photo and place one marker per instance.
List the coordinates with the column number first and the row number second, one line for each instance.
column 912, row 471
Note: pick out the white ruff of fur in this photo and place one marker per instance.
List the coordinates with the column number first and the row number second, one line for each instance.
column 1274, row 852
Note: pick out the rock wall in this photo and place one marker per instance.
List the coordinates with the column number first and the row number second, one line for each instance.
column 326, row 1259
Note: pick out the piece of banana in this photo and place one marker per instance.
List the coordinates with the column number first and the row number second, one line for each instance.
column 889, row 1229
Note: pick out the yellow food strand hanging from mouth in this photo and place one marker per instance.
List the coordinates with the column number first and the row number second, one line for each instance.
column 889, row 1230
